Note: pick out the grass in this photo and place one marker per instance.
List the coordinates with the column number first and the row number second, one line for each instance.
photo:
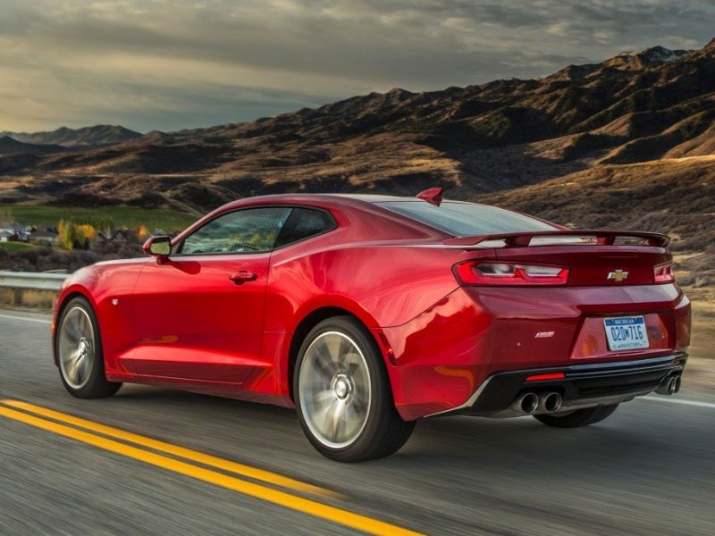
column 35, row 299
column 15, row 246
column 131, row 217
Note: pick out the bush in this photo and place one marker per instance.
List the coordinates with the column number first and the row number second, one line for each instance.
column 46, row 259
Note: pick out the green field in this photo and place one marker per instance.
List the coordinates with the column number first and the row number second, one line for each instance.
column 15, row 246
column 131, row 217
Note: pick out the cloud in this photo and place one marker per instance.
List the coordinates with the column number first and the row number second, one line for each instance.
column 180, row 63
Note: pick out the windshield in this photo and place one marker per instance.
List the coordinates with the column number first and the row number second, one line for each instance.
column 467, row 219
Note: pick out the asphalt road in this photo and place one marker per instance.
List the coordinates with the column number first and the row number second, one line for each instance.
column 649, row 469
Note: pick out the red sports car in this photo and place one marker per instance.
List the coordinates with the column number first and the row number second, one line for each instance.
column 369, row 312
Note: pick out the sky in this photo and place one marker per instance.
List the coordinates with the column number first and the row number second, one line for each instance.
column 173, row 64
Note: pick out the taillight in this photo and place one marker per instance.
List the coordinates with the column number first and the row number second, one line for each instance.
column 493, row 273
column 663, row 273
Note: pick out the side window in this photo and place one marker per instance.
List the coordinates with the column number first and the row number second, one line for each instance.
column 242, row 231
column 304, row 223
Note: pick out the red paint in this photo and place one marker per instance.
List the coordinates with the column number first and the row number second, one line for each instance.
column 184, row 323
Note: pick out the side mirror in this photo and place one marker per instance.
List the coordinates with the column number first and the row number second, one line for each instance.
column 159, row 247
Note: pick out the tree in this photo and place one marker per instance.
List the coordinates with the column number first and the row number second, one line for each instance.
column 142, row 232
column 76, row 235
column 68, row 234
column 86, row 233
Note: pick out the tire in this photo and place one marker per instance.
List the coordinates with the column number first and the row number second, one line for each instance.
column 577, row 418
column 343, row 395
column 79, row 352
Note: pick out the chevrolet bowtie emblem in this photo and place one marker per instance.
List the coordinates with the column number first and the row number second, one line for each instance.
column 618, row 276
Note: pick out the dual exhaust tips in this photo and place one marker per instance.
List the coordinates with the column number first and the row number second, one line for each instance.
column 529, row 403
column 551, row 402
column 669, row 386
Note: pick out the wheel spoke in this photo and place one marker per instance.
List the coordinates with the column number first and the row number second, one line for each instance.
column 73, row 357
column 81, row 326
column 334, row 389
column 318, row 385
column 353, row 369
column 81, row 368
column 360, row 402
column 76, row 347
column 323, row 398
column 322, row 416
column 337, row 418
column 72, row 331
column 349, row 360
column 71, row 368
column 325, row 363
column 334, row 345
column 353, row 419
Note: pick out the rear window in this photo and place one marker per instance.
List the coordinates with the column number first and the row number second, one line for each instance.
column 467, row 219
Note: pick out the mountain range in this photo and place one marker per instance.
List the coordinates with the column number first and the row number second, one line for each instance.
column 562, row 147
column 95, row 136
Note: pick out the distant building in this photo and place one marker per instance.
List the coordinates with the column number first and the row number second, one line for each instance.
column 45, row 238
column 17, row 232
column 7, row 235
column 116, row 235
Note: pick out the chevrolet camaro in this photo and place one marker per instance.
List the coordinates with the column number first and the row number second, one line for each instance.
column 367, row 313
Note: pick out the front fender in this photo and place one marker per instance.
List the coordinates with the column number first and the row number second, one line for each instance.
column 108, row 287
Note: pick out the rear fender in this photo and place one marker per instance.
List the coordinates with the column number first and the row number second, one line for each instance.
column 285, row 345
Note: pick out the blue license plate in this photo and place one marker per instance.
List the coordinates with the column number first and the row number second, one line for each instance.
column 626, row 333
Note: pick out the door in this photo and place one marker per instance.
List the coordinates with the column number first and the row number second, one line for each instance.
column 199, row 315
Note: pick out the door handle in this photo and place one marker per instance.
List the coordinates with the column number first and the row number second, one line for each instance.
column 243, row 276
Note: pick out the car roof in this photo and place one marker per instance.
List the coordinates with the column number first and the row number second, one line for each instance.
column 348, row 199
column 361, row 202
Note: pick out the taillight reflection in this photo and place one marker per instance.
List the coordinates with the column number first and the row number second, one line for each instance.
column 663, row 273
column 492, row 273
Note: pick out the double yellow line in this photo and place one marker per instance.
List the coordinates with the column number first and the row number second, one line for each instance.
column 87, row 432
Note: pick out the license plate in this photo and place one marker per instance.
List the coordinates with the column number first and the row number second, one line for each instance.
column 626, row 333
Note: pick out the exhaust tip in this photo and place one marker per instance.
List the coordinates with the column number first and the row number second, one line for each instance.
column 672, row 384
column 551, row 402
column 669, row 385
column 526, row 403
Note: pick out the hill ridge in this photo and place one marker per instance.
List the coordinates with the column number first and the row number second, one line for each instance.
column 474, row 140
column 89, row 136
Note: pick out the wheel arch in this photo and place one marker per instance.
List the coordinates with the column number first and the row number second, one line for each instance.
column 304, row 327
column 308, row 322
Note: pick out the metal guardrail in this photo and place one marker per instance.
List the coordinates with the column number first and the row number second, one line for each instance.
column 31, row 280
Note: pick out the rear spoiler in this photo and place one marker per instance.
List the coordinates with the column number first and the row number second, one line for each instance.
column 599, row 238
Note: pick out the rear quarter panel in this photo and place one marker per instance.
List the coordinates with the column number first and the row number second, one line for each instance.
column 384, row 282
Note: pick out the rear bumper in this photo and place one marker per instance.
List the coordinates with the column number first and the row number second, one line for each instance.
column 582, row 385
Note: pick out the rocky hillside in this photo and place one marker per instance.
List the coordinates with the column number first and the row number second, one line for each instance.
column 634, row 108
column 672, row 196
